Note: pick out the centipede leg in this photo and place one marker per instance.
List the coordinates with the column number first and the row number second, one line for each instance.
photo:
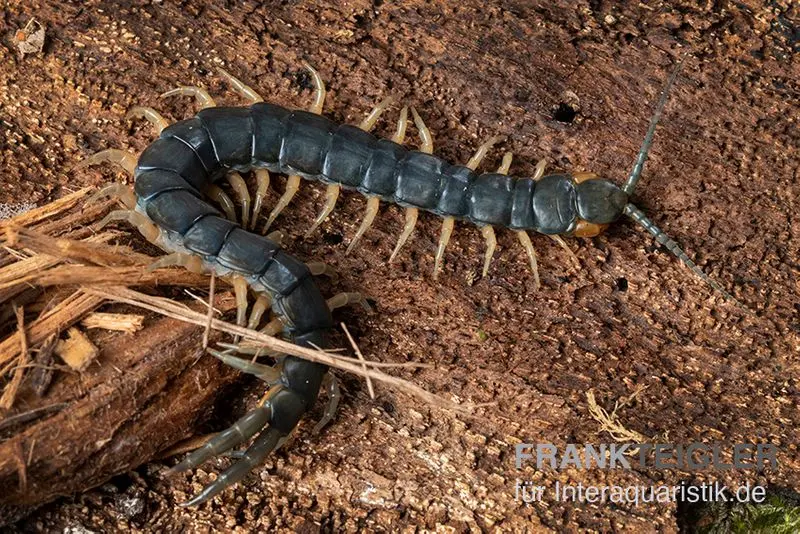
column 262, row 187
column 121, row 158
column 491, row 244
column 240, row 188
column 334, row 396
column 215, row 193
column 344, row 299
column 145, row 226
column 444, row 238
column 191, row 263
column 508, row 157
column 152, row 116
column 240, row 87
column 538, row 172
column 241, row 431
column 273, row 328
column 240, row 290
column 292, row 186
column 276, row 236
column 563, row 244
column 373, row 204
column 121, row 192
column 408, row 227
column 318, row 268
column 425, row 146
column 331, row 196
column 319, row 90
column 525, row 240
column 269, row 374
column 476, row 159
column 402, row 123
column 260, row 306
column 200, row 94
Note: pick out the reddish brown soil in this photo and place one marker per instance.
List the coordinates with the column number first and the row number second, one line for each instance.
column 721, row 179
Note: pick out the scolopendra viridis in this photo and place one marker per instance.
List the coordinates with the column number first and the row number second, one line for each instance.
column 176, row 174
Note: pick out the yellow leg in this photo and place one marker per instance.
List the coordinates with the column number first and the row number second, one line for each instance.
column 247, row 92
column 318, row 268
column 260, row 306
column 219, row 196
column 262, row 181
column 331, row 196
column 538, row 172
column 491, row 244
column 276, row 237
column 120, row 191
column 373, row 203
column 343, row 299
column 240, row 188
column 153, row 116
column 200, row 94
column 240, row 290
column 319, row 90
column 369, row 121
column 525, row 240
column 273, row 328
column 145, row 226
column 191, row 263
column 476, row 159
column 506, row 164
column 563, row 244
column 292, row 185
column 411, row 221
column 402, row 123
column 121, row 158
column 426, row 145
column 444, row 238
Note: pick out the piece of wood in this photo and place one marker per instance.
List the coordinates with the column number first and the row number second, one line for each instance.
column 76, row 350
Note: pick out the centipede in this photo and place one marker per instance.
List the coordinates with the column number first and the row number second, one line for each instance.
column 176, row 179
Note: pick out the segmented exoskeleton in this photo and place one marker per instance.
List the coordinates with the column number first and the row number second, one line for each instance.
column 176, row 173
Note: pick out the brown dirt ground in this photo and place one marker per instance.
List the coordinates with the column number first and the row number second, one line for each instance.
column 721, row 179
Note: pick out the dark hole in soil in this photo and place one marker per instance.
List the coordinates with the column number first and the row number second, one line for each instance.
column 564, row 113
column 621, row 284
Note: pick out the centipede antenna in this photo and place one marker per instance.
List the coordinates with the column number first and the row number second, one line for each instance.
column 636, row 172
column 636, row 214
